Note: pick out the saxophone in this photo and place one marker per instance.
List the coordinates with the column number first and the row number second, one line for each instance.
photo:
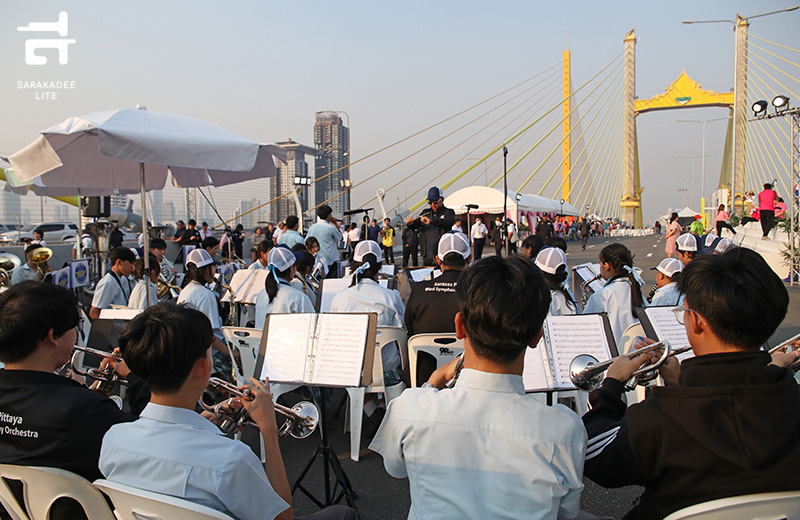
column 586, row 291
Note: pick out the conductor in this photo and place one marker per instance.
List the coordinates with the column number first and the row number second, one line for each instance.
column 434, row 222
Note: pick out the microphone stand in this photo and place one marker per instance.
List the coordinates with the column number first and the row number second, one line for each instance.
column 505, row 197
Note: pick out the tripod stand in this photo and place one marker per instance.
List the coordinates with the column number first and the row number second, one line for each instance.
column 329, row 462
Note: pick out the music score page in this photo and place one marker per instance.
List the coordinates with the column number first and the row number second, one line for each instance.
column 570, row 336
column 668, row 329
column 339, row 356
column 286, row 354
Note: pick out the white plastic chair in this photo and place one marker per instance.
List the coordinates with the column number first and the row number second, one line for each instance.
column 356, row 395
column 137, row 504
column 43, row 486
column 761, row 506
column 443, row 347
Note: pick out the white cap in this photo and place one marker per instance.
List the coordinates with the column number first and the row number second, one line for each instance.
column 281, row 257
column 366, row 247
column 723, row 245
column 710, row 237
column 687, row 242
column 199, row 257
column 550, row 259
column 454, row 242
column 670, row 266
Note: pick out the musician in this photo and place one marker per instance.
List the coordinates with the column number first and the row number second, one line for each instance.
column 304, row 266
column 484, row 449
column 432, row 224
column 169, row 345
column 278, row 295
column 668, row 273
column 211, row 244
column 115, row 287
column 553, row 263
column 51, row 420
column 432, row 305
column 28, row 270
column 290, row 236
column 86, row 243
column 728, row 423
column 199, row 272
column 687, row 248
column 532, row 245
column 138, row 298
column 621, row 293
column 327, row 232
column 262, row 255
column 365, row 294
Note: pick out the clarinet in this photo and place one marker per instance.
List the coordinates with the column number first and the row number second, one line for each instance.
column 652, row 293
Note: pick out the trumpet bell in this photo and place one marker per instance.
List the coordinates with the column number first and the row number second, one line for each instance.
column 580, row 375
column 301, row 428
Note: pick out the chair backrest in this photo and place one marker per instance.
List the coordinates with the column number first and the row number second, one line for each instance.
column 439, row 347
column 383, row 336
column 762, row 506
column 247, row 341
column 137, row 504
column 43, row 486
column 625, row 342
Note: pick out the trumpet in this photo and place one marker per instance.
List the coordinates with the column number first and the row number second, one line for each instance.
column 586, row 373
column 301, row 419
column 787, row 345
column 105, row 378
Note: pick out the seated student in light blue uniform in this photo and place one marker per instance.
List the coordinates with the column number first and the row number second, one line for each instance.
column 668, row 272
column 278, row 295
column 622, row 292
column 553, row 263
column 365, row 294
column 138, row 299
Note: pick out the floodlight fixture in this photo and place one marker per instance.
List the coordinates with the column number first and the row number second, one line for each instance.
column 760, row 108
column 781, row 103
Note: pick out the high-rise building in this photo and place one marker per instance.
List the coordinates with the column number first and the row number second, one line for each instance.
column 249, row 219
column 294, row 172
column 332, row 139
column 155, row 212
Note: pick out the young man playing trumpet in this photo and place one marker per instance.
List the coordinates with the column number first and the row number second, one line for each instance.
column 728, row 423
column 484, row 449
column 174, row 451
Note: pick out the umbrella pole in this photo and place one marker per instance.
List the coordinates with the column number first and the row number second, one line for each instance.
column 80, row 226
column 146, row 249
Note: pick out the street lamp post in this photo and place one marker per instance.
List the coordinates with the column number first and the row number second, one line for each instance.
column 693, row 159
column 703, row 162
column 739, row 22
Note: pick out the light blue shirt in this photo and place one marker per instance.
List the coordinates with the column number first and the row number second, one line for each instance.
column 328, row 236
column 291, row 238
column 257, row 265
column 288, row 300
column 202, row 298
column 111, row 290
column 369, row 296
column 483, row 449
column 177, row 452
column 559, row 305
column 667, row 295
column 138, row 299
column 614, row 299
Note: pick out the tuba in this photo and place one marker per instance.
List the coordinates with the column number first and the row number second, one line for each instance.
column 39, row 257
column 8, row 263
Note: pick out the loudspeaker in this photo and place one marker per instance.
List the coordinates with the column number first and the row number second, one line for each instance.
column 96, row 206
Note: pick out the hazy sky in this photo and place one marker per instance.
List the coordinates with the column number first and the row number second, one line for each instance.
column 262, row 68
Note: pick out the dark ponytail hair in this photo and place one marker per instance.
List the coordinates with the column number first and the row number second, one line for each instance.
column 271, row 284
column 556, row 281
column 673, row 217
column 618, row 257
column 371, row 272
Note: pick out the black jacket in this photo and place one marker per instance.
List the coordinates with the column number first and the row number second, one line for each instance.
column 432, row 306
column 441, row 222
column 731, row 428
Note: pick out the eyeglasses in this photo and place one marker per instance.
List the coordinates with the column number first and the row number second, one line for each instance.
column 680, row 310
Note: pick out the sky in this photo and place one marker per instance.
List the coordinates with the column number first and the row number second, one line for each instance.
column 263, row 68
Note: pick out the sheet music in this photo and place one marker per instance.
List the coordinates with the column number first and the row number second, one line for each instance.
column 668, row 329
column 587, row 272
column 571, row 336
column 535, row 374
column 287, row 347
column 332, row 286
column 421, row 274
column 246, row 284
column 388, row 270
column 339, row 356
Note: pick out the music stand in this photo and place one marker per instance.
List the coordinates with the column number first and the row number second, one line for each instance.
column 329, row 462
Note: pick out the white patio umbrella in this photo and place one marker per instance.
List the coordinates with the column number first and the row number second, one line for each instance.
column 110, row 150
